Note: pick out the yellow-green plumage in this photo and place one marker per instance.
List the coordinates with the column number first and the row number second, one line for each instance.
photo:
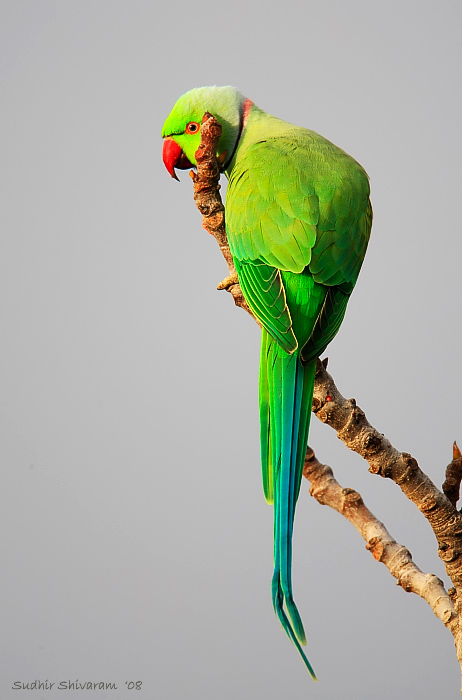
column 298, row 219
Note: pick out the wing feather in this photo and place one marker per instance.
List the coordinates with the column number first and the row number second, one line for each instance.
column 300, row 201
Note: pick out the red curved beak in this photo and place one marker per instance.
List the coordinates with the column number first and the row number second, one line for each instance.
column 174, row 157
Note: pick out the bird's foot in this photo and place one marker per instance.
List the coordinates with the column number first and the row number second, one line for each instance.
column 228, row 281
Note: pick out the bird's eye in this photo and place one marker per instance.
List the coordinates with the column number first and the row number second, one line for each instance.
column 192, row 128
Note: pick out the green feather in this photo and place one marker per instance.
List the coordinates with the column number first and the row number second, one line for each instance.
column 299, row 205
column 298, row 219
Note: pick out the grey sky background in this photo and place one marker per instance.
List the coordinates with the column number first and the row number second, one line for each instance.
column 136, row 543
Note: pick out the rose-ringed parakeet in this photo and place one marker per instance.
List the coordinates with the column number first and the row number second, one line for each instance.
column 298, row 219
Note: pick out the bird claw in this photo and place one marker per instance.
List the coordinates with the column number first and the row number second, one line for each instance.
column 228, row 281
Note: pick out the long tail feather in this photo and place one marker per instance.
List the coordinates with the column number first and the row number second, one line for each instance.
column 286, row 390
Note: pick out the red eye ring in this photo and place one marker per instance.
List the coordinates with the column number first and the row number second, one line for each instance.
column 192, row 128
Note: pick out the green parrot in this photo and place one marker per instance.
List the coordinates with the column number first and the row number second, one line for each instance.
column 298, row 220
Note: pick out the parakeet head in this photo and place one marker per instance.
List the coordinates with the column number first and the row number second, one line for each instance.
column 181, row 131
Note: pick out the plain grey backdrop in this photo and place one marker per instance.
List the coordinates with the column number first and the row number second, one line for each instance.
column 136, row 544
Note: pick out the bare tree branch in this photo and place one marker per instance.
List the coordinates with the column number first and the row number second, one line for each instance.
column 358, row 435
column 383, row 547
